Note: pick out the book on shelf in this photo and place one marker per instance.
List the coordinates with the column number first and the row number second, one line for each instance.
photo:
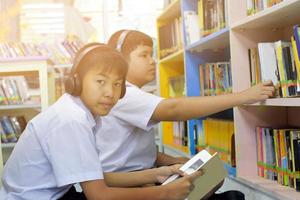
column 212, row 16
column 214, row 173
column 11, row 127
column 180, row 133
column 278, row 62
column 254, row 6
column 192, row 29
column 13, row 90
column 215, row 78
column 170, row 37
column 58, row 52
column 278, row 155
column 218, row 135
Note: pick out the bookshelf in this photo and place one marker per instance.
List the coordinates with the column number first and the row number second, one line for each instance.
column 35, row 66
column 231, row 43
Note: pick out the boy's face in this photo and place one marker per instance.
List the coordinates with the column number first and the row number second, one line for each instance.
column 101, row 90
column 141, row 66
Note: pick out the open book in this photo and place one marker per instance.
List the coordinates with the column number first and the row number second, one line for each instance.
column 214, row 173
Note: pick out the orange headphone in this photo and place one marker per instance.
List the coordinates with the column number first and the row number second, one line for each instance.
column 73, row 83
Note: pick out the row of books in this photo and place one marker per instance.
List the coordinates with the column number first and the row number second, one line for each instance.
column 170, row 36
column 11, row 127
column 212, row 16
column 180, row 134
column 278, row 155
column 215, row 78
column 254, row 6
column 13, row 90
column 58, row 52
column 278, row 62
column 218, row 136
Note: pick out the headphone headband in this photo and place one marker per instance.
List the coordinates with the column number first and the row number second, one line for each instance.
column 121, row 39
column 81, row 55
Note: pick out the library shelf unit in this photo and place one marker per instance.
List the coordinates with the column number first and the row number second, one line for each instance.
column 35, row 66
column 212, row 48
column 270, row 25
column 231, row 44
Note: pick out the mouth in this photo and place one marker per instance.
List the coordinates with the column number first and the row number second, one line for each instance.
column 106, row 105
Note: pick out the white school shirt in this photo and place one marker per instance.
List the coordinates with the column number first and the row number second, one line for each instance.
column 126, row 139
column 56, row 150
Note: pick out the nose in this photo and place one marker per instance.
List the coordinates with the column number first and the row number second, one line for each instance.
column 108, row 90
column 152, row 61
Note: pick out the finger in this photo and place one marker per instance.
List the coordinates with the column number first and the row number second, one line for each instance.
column 264, row 97
column 269, row 93
column 201, row 171
column 269, row 88
column 194, row 175
column 175, row 168
column 192, row 187
column 266, row 83
column 177, row 171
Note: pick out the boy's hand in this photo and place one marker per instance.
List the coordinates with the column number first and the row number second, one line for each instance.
column 259, row 92
column 164, row 172
column 180, row 188
column 181, row 160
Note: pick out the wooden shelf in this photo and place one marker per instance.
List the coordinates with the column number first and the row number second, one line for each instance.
column 171, row 11
column 270, row 188
column 8, row 145
column 289, row 102
column 175, row 57
column 59, row 66
column 281, row 15
column 214, row 41
column 24, row 59
column 21, row 106
column 232, row 43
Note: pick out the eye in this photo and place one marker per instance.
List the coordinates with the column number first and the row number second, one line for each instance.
column 101, row 82
column 118, row 84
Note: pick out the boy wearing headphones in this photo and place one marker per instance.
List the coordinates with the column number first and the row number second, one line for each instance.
column 57, row 148
column 129, row 125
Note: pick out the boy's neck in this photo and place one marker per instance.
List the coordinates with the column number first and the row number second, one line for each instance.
column 135, row 83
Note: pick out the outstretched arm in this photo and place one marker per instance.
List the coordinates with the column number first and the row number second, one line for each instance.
column 185, row 108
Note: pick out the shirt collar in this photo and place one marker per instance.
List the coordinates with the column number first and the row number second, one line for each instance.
column 128, row 84
column 91, row 119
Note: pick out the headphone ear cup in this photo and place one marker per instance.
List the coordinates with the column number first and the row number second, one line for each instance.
column 73, row 85
column 123, row 91
column 70, row 85
column 77, row 86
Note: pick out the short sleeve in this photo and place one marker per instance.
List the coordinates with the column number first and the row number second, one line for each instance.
column 72, row 154
column 137, row 107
